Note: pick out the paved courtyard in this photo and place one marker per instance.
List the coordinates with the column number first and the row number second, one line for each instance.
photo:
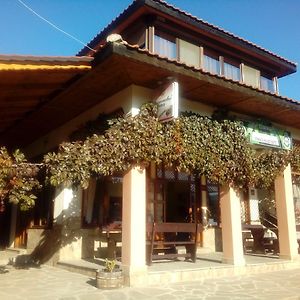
column 54, row 283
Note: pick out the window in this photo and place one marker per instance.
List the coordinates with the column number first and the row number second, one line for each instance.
column 251, row 76
column 42, row 212
column 171, row 194
column 164, row 47
column 267, row 84
column 232, row 71
column 213, row 197
column 296, row 196
column 102, row 202
column 211, row 64
column 189, row 53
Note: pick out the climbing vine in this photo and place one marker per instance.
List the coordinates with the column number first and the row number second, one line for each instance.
column 217, row 149
column 18, row 182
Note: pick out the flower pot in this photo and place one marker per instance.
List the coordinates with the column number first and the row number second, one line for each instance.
column 109, row 280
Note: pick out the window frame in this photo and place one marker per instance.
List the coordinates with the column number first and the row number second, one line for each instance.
column 212, row 55
column 234, row 63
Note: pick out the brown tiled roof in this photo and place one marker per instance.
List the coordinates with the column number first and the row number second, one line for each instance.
column 48, row 59
column 137, row 3
column 222, row 30
column 193, row 68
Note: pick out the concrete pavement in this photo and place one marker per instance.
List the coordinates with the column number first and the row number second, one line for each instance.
column 53, row 283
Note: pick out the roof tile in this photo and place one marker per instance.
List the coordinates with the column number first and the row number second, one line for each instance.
column 170, row 6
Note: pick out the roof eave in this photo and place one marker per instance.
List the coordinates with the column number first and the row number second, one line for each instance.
column 286, row 67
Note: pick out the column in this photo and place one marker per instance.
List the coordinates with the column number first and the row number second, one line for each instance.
column 288, row 247
column 204, row 213
column 134, row 226
column 67, row 223
column 13, row 225
column 231, row 227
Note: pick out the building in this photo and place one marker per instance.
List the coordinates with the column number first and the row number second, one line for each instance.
column 153, row 43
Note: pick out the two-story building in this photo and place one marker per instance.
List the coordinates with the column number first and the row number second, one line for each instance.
column 48, row 100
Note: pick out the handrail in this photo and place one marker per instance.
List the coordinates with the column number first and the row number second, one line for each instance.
column 274, row 226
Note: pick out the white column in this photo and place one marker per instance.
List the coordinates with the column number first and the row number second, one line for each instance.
column 288, row 246
column 231, row 227
column 13, row 225
column 67, row 217
column 134, row 226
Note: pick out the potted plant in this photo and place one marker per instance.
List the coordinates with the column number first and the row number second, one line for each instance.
column 111, row 277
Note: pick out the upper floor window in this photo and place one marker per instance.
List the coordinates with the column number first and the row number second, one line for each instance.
column 164, row 47
column 211, row 64
column 251, row 76
column 267, row 84
column 232, row 71
column 189, row 53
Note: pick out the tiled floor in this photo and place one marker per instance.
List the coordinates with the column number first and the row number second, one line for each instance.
column 54, row 283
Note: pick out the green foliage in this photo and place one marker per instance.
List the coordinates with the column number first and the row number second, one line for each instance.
column 17, row 179
column 110, row 265
column 217, row 149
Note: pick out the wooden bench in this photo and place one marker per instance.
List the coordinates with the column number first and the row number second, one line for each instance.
column 163, row 238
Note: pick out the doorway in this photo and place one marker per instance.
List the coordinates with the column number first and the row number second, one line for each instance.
column 5, row 220
column 172, row 196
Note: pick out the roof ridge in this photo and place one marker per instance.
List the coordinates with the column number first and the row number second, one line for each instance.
column 197, row 19
column 223, row 30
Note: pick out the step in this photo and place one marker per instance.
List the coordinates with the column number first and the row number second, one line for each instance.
column 8, row 255
column 80, row 266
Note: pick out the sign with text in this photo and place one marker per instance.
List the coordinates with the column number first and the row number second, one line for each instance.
column 259, row 134
column 167, row 103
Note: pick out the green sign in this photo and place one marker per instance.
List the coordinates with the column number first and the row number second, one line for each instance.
column 259, row 134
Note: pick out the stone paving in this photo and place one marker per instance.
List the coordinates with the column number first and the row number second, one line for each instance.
column 53, row 283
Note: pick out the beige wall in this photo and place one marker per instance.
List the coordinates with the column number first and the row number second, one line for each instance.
column 67, row 210
column 131, row 97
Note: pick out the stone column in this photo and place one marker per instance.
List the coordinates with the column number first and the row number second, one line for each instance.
column 288, row 246
column 134, row 226
column 231, row 227
column 67, row 222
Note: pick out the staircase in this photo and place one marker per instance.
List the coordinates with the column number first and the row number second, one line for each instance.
column 270, row 221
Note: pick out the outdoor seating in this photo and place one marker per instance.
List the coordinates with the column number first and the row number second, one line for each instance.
column 164, row 238
column 260, row 243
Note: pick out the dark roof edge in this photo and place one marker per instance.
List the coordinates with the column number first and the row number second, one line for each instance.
column 156, row 4
column 193, row 20
column 136, row 4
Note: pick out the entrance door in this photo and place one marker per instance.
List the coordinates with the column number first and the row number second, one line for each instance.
column 5, row 219
column 177, row 201
column 174, row 196
column 23, row 223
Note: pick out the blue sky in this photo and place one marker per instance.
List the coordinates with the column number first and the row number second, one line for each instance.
column 272, row 24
